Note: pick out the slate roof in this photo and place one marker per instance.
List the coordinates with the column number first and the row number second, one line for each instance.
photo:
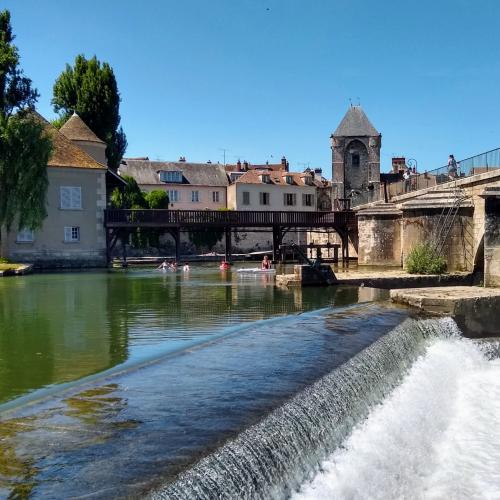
column 277, row 178
column 355, row 124
column 145, row 172
column 77, row 130
column 64, row 152
column 249, row 166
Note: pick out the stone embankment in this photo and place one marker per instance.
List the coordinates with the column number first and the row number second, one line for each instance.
column 16, row 270
column 474, row 308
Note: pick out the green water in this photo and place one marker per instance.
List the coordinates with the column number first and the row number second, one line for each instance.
column 57, row 328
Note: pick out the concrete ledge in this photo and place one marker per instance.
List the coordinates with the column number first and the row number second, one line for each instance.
column 395, row 279
column 474, row 308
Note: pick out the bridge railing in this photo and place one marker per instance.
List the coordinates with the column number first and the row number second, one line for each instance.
column 478, row 164
column 230, row 218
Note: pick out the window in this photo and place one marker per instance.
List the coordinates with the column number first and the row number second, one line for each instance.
column 289, row 179
column 355, row 159
column 264, row 198
column 215, row 196
column 171, row 176
column 71, row 234
column 308, row 180
column 308, row 200
column 234, row 176
column 266, row 178
column 246, row 197
column 195, row 196
column 289, row 199
column 173, row 196
column 71, row 197
column 25, row 236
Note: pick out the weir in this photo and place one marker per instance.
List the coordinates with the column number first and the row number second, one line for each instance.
column 273, row 458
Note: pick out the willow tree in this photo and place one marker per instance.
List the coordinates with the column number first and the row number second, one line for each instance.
column 89, row 88
column 24, row 146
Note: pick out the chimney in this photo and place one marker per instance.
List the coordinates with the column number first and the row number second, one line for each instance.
column 238, row 166
column 245, row 165
column 284, row 164
column 209, row 162
column 182, row 159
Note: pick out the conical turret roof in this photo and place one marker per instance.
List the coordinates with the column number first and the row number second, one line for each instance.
column 77, row 130
column 355, row 124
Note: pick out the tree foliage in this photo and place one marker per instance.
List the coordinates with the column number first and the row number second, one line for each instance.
column 129, row 197
column 25, row 147
column 89, row 88
column 206, row 238
column 157, row 199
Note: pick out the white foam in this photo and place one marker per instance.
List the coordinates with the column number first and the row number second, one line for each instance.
column 436, row 436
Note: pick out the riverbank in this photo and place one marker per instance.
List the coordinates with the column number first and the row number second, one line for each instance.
column 15, row 269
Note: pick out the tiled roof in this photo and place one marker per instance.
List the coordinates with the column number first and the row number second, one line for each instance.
column 277, row 178
column 64, row 152
column 355, row 124
column 77, row 130
column 145, row 172
column 268, row 166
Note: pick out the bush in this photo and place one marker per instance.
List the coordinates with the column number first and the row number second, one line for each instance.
column 422, row 259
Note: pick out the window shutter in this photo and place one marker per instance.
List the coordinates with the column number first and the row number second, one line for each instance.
column 76, row 198
column 67, row 234
column 261, row 198
column 284, row 199
column 294, row 199
column 312, row 201
column 304, row 198
column 65, row 197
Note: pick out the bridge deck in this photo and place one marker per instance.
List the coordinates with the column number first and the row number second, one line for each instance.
column 120, row 218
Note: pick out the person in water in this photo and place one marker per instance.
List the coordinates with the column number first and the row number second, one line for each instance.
column 163, row 266
column 266, row 263
column 186, row 267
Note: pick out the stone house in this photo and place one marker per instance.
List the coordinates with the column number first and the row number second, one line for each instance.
column 72, row 235
column 190, row 186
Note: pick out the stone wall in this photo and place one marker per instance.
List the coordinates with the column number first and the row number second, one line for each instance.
column 379, row 236
column 419, row 226
column 492, row 238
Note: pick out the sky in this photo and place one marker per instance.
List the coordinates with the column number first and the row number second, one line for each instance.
column 258, row 79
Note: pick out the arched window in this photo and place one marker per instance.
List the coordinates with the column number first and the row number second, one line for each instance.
column 355, row 159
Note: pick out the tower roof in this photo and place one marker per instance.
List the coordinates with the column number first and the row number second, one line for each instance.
column 77, row 130
column 355, row 124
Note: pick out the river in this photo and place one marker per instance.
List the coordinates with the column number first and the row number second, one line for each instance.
column 208, row 385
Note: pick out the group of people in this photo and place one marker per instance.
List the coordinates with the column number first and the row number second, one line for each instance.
column 412, row 172
column 172, row 266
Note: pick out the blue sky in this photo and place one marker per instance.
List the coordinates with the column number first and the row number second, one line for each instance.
column 263, row 78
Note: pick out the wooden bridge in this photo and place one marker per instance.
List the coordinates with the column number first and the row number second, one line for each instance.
column 118, row 221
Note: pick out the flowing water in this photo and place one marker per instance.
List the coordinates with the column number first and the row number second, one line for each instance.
column 209, row 386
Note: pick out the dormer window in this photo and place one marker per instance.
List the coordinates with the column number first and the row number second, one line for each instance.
column 308, row 180
column 289, row 179
column 174, row 176
column 266, row 178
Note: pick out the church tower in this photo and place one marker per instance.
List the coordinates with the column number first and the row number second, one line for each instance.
column 355, row 155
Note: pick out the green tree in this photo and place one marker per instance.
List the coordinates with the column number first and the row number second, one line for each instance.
column 25, row 147
column 89, row 88
column 157, row 199
column 129, row 197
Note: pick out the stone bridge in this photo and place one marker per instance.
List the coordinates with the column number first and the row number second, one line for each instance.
column 388, row 231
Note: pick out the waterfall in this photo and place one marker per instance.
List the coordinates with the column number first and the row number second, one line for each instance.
column 274, row 457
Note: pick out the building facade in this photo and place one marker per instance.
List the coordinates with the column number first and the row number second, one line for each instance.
column 72, row 234
column 355, row 156
column 190, row 186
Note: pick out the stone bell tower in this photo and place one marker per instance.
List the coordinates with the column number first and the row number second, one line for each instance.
column 355, row 156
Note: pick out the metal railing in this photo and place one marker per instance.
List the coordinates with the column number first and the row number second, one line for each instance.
column 478, row 164
column 231, row 218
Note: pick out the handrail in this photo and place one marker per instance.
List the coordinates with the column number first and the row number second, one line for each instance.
column 218, row 218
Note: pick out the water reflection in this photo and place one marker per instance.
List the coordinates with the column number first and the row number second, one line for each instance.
column 56, row 328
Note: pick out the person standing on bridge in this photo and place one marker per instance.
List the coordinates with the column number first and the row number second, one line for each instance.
column 452, row 168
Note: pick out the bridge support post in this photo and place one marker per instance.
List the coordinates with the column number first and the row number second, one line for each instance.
column 277, row 239
column 228, row 255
